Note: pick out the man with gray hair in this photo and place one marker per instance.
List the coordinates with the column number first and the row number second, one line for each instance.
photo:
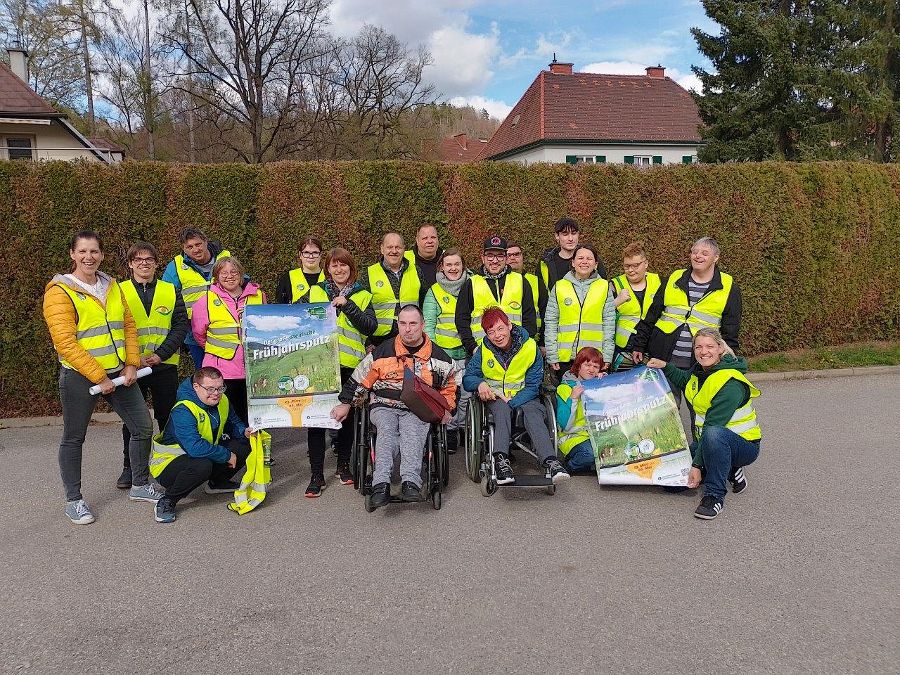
column 691, row 299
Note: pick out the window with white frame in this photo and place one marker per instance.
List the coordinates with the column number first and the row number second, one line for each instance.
column 643, row 160
column 19, row 148
column 584, row 159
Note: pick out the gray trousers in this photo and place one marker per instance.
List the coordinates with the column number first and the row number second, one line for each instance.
column 462, row 405
column 535, row 424
column 78, row 406
column 401, row 433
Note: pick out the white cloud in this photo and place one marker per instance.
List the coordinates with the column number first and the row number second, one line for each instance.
column 462, row 60
column 496, row 109
column 266, row 323
column 691, row 83
column 614, row 68
column 555, row 44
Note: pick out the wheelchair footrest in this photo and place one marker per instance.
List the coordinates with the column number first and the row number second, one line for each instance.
column 529, row 480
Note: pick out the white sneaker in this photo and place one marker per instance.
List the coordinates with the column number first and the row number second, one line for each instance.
column 79, row 513
column 145, row 493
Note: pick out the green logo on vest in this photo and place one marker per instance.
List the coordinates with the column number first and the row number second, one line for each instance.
column 184, row 265
column 446, row 298
column 81, row 296
column 162, row 309
column 217, row 302
column 490, row 363
column 379, row 284
column 202, row 417
column 515, row 305
column 567, row 301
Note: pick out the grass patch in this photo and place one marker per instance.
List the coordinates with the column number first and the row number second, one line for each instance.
column 852, row 355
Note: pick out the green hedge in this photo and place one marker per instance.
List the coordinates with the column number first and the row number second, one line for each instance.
column 813, row 246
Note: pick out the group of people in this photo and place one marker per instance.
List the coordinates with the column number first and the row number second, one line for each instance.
column 490, row 332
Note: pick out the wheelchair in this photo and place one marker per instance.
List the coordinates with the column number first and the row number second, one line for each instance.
column 479, row 449
column 435, row 460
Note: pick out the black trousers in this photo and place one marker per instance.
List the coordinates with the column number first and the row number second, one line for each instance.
column 316, row 438
column 162, row 384
column 185, row 473
column 236, row 391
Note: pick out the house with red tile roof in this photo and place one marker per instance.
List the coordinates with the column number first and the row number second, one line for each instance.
column 459, row 148
column 566, row 116
column 31, row 129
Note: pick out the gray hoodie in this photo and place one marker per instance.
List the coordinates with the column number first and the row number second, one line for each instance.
column 551, row 317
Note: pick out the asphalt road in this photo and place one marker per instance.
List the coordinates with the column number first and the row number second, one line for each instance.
column 798, row 574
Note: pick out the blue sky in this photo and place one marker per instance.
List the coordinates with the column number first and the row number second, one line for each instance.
column 487, row 52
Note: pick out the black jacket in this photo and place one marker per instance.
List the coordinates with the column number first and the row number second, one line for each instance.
column 655, row 343
column 465, row 305
column 180, row 322
column 427, row 271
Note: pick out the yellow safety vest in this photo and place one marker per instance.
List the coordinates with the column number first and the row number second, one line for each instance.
column 223, row 334
column 743, row 421
column 445, row 333
column 706, row 312
column 100, row 330
column 163, row 454
column 630, row 312
column 193, row 284
column 386, row 304
column 152, row 329
column 511, row 380
column 351, row 343
column 256, row 478
column 579, row 431
column 483, row 298
column 580, row 325
column 299, row 286
column 533, row 282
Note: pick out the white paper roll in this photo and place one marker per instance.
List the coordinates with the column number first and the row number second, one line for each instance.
column 120, row 380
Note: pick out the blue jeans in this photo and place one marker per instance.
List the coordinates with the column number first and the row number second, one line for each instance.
column 581, row 458
column 197, row 353
column 723, row 451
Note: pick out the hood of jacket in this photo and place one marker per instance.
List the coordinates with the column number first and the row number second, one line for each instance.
column 581, row 285
column 569, row 378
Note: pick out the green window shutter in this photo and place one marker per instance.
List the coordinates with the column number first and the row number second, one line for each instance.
column 687, row 159
column 629, row 159
column 600, row 159
column 657, row 159
column 571, row 159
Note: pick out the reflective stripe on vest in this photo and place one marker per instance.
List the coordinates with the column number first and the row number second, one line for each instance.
column 299, row 286
column 706, row 312
column 351, row 343
column 575, row 329
column 630, row 312
column 153, row 328
column 483, row 298
column 99, row 330
column 511, row 380
column 193, row 284
column 223, row 335
column 445, row 333
column 743, row 421
column 579, row 431
column 385, row 303
column 163, row 454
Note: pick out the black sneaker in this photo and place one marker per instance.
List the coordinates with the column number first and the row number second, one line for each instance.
column 343, row 472
column 709, row 507
column 557, row 471
column 504, row 471
column 124, row 480
column 315, row 487
column 220, row 487
column 452, row 442
column 738, row 481
column 410, row 492
column 165, row 511
column 381, row 495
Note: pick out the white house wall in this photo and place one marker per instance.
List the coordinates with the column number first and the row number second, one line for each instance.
column 50, row 141
column 615, row 154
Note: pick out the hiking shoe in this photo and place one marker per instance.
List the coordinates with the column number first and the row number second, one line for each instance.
column 410, row 492
column 343, row 472
column 738, row 481
column 557, row 471
column 504, row 471
column 315, row 487
column 79, row 513
column 221, row 487
column 124, row 480
column 381, row 495
column 165, row 511
column 145, row 493
column 709, row 507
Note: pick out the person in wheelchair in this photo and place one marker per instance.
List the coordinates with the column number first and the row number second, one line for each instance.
column 506, row 372
column 400, row 432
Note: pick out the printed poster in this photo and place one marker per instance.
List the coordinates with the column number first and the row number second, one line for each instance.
column 293, row 372
column 635, row 429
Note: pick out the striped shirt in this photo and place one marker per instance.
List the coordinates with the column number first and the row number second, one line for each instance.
column 684, row 347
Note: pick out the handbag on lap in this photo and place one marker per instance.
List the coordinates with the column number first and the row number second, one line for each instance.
column 423, row 400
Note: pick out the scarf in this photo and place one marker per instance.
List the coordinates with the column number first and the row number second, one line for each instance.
column 452, row 287
column 332, row 290
column 499, row 275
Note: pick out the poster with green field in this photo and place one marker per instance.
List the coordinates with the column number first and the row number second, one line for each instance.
column 635, row 429
column 291, row 356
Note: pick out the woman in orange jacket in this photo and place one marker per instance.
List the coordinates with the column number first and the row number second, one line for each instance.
column 95, row 338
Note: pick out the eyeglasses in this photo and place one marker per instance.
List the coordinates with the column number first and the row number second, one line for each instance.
column 229, row 274
column 311, row 254
column 514, row 254
column 211, row 390
column 144, row 261
column 495, row 256
column 636, row 266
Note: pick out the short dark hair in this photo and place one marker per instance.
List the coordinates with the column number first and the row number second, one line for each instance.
column 192, row 233
column 566, row 223
column 138, row 247
column 85, row 234
column 310, row 240
column 411, row 307
column 206, row 371
column 451, row 252
column 586, row 247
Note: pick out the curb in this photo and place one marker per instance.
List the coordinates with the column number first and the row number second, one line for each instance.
column 112, row 418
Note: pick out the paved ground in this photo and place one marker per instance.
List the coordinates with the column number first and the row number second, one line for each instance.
column 797, row 575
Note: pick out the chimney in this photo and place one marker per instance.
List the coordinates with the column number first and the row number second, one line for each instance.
column 558, row 68
column 656, row 71
column 18, row 62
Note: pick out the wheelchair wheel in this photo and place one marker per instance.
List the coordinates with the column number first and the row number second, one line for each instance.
column 360, row 448
column 474, row 439
column 445, row 457
column 436, row 499
column 488, row 484
column 550, row 490
column 369, row 507
column 549, row 401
